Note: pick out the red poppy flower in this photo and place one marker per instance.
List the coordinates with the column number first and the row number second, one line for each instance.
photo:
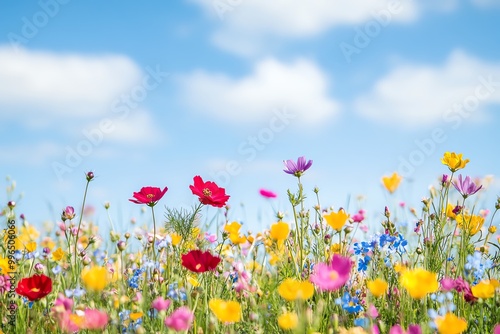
column 34, row 287
column 199, row 262
column 209, row 193
column 148, row 195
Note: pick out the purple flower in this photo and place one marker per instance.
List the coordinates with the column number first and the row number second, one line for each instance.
column 297, row 169
column 466, row 187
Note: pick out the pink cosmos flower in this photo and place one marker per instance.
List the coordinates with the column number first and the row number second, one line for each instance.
column 148, row 195
column 466, row 187
column 95, row 319
column 496, row 330
column 267, row 193
column 68, row 213
column 209, row 193
column 447, row 284
column 160, row 304
column 180, row 319
column 331, row 277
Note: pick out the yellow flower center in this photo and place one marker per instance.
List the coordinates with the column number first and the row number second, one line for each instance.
column 149, row 196
column 334, row 275
column 35, row 290
column 198, row 266
column 207, row 192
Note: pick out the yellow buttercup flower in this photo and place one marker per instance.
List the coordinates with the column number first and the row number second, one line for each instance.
column 391, row 183
column 377, row 287
column 336, row 220
column 471, row 223
column 288, row 320
column 292, row 289
column 176, row 239
column 485, row 289
column 28, row 233
column 234, row 227
column 225, row 311
column 192, row 280
column 454, row 161
column 419, row 282
column 30, row 246
column 58, row 254
column 5, row 267
column 237, row 239
column 95, row 278
column 450, row 324
column 280, row 231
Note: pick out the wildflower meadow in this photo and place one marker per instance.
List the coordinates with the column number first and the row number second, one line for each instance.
column 317, row 269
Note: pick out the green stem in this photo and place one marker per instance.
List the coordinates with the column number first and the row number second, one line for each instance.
column 79, row 225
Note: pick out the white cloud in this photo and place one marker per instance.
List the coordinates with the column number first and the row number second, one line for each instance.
column 245, row 24
column 419, row 95
column 137, row 128
column 299, row 86
column 40, row 84
column 35, row 154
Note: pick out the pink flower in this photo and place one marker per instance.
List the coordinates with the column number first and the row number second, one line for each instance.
column 160, row 304
column 4, row 283
column 372, row 311
column 359, row 217
column 95, row 319
column 412, row 329
column 496, row 330
column 148, row 195
column 267, row 193
column 209, row 193
column 447, row 284
column 68, row 213
column 180, row 319
column 211, row 238
column 333, row 276
column 64, row 303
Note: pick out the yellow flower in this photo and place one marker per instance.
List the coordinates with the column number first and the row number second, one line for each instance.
column 275, row 258
column 236, row 239
column 352, row 330
column 450, row 324
column 225, row 311
column 454, row 161
column 472, row 223
column 234, row 227
column 399, row 268
column 192, row 280
column 391, row 183
column 58, row 254
column 176, row 239
column 5, row 267
column 280, row 231
column 288, row 320
column 492, row 229
column 28, row 233
column 449, row 211
column 419, row 282
column 48, row 243
column 292, row 289
column 95, row 278
column 337, row 220
column 135, row 316
column 377, row 287
column 485, row 289
column 30, row 246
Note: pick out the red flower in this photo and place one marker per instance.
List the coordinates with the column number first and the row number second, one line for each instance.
column 148, row 195
column 34, row 287
column 209, row 193
column 199, row 262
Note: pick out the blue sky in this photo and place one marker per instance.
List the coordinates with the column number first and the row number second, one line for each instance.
column 157, row 92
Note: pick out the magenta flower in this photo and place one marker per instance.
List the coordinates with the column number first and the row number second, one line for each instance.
column 297, row 169
column 359, row 217
column 447, row 284
column 148, row 195
column 466, row 187
column 412, row 329
column 333, row 276
column 160, row 304
column 267, row 193
column 496, row 330
column 180, row 320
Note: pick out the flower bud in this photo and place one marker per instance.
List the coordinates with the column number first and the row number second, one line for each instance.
column 121, row 245
column 106, row 205
column 11, row 204
column 86, row 260
column 280, row 215
column 89, row 176
column 39, row 268
column 127, row 235
column 492, row 229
